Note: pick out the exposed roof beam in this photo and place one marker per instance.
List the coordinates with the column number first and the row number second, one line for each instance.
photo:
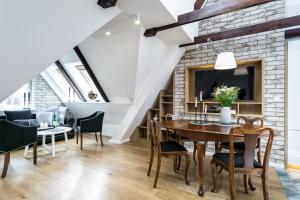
column 198, row 4
column 107, row 3
column 91, row 73
column 218, row 9
column 292, row 33
column 207, row 12
column 248, row 30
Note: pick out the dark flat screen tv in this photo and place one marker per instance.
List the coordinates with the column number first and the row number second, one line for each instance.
column 243, row 77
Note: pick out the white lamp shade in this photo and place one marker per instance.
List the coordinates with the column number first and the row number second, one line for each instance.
column 225, row 60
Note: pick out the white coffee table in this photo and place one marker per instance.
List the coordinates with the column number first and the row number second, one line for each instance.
column 52, row 133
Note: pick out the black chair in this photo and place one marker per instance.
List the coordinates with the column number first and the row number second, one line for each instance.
column 90, row 124
column 13, row 137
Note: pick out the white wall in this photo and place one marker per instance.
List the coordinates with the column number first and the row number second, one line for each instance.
column 162, row 68
column 178, row 7
column 114, row 113
column 36, row 33
column 113, row 60
column 293, row 101
column 293, row 8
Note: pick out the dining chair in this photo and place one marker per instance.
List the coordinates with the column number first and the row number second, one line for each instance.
column 246, row 164
column 251, row 123
column 90, row 124
column 13, row 137
column 164, row 148
column 171, row 134
column 239, row 147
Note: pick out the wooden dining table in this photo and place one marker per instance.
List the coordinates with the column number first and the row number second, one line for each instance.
column 202, row 134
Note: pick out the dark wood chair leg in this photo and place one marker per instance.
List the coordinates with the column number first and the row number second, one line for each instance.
column 217, row 148
column 175, row 164
column 151, row 161
column 252, row 187
column 6, row 164
column 157, row 170
column 246, row 183
column 187, row 164
column 231, row 184
column 221, row 169
column 178, row 162
column 213, row 168
column 194, row 152
column 96, row 137
column 77, row 133
column 81, row 138
column 35, row 153
column 265, row 183
column 101, row 139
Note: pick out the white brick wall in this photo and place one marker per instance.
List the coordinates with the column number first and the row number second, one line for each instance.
column 44, row 96
column 268, row 46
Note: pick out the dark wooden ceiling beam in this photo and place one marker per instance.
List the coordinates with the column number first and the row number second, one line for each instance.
column 198, row 4
column 248, row 30
column 207, row 12
column 218, row 9
column 292, row 33
column 107, row 3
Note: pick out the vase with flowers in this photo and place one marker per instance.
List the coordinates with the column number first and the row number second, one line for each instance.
column 225, row 96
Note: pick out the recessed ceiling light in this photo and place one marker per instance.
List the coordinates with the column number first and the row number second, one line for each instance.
column 107, row 32
column 137, row 21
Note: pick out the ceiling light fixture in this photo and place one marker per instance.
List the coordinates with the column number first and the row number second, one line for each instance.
column 107, row 32
column 225, row 60
column 137, row 21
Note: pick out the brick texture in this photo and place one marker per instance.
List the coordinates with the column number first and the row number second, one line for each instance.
column 269, row 46
column 44, row 96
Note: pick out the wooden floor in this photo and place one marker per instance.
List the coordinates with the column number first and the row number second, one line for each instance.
column 112, row 172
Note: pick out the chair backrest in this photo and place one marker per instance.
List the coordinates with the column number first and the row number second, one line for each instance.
column 251, row 123
column 153, row 127
column 93, row 123
column 14, row 136
column 251, row 136
column 100, row 116
column 18, row 115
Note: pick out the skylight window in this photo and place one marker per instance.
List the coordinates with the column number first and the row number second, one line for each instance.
column 72, row 79
column 59, row 84
column 81, row 77
column 18, row 100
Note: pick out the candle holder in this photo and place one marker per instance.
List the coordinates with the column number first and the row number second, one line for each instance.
column 196, row 110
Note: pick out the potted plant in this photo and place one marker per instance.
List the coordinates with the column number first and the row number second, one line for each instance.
column 225, row 96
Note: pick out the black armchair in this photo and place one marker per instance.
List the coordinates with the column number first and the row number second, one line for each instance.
column 13, row 137
column 90, row 124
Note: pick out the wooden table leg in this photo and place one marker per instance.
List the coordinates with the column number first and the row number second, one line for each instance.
column 201, row 161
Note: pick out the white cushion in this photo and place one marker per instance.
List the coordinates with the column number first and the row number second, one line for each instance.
column 44, row 117
column 61, row 114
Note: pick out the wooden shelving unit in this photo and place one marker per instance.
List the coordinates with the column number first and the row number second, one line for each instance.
column 162, row 106
column 253, row 108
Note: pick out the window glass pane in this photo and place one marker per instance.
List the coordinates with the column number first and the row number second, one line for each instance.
column 17, row 100
column 59, row 84
column 81, row 77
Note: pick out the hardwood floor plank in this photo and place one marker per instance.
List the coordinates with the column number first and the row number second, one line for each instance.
column 113, row 172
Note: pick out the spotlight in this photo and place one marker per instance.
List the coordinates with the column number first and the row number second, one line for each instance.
column 137, row 21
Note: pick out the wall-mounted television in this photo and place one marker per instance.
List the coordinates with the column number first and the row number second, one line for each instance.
column 242, row 77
